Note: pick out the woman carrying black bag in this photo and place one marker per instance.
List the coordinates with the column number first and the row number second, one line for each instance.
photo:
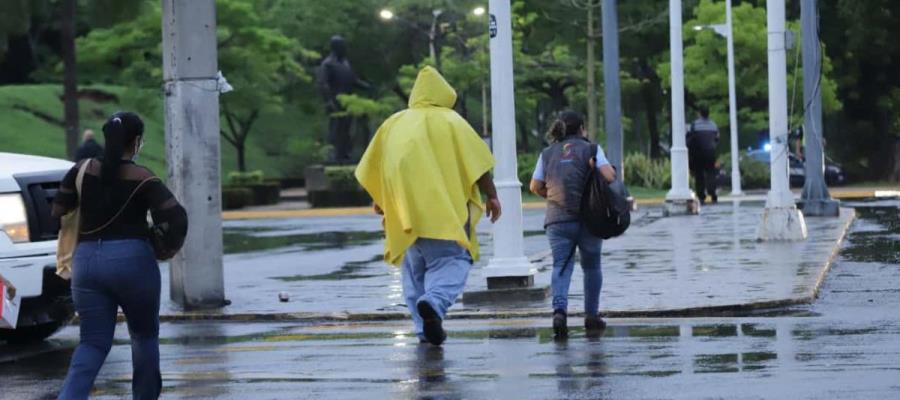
column 560, row 177
column 115, row 258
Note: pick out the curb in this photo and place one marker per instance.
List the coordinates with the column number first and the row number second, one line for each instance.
column 238, row 215
column 730, row 310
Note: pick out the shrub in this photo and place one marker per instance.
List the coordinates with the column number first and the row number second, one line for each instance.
column 642, row 171
column 342, row 177
column 754, row 173
column 236, row 197
column 237, row 178
column 526, row 163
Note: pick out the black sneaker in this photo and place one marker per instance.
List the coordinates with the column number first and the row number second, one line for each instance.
column 715, row 199
column 560, row 325
column 594, row 326
column 432, row 328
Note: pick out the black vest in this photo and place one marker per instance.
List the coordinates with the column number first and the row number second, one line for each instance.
column 566, row 165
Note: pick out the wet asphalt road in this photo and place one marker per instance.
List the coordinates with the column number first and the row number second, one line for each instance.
column 846, row 345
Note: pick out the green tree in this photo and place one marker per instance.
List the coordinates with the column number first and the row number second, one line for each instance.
column 260, row 62
column 17, row 19
column 861, row 38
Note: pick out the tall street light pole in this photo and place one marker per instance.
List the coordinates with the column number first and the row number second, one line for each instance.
column 727, row 31
column 815, row 199
column 680, row 200
column 781, row 220
column 509, row 267
column 732, row 107
column 613, row 102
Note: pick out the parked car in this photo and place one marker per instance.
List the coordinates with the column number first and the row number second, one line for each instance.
column 28, row 236
column 834, row 173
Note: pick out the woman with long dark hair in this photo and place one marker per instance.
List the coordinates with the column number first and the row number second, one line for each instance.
column 114, row 262
column 560, row 177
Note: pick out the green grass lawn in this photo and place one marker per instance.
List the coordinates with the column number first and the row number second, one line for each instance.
column 31, row 122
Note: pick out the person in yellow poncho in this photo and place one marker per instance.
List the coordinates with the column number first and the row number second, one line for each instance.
column 425, row 170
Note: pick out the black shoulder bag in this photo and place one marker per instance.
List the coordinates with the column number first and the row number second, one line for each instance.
column 605, row 208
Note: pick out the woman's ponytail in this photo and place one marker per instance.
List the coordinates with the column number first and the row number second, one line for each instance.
column 569, row 123
column 557, row 131
column 115, row 137
column 119, row 131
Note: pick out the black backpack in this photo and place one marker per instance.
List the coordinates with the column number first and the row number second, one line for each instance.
column 605, row 207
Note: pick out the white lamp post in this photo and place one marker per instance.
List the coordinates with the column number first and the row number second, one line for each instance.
column 680, row 199
column 781, row 219
column 509, row 267
column 726, row 30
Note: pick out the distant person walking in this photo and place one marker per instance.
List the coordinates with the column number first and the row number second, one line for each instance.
column 702, row 140
column 114, row 262
column 89, row 147
column 560, row 176
column 426, row 169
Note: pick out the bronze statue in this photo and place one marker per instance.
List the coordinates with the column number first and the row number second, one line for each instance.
column 336, row 77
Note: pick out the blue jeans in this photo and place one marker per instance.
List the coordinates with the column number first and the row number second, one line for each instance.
column 434, row 271
column 564, row 238
column 108, row 275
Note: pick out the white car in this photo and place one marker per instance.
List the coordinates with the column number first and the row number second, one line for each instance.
column 28, row 245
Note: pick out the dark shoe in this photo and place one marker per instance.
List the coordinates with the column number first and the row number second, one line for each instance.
column 715, row 199
column 594, row 326
column 432, row 328
column 560, row 325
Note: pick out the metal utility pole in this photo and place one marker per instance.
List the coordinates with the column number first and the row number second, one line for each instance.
column 509, row 267
column 732, row 107
column 680, row 200
column 613, row 102
column 781, row 219
column 815, row 200
column 192, row 148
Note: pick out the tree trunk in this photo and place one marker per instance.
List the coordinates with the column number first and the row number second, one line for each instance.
column 242, row 165
column 70, row 76
column 653, row 128
column 894, row 176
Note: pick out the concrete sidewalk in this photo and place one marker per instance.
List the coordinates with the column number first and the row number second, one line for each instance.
column 696, row 265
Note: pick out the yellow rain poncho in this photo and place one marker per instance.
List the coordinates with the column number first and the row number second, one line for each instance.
column 421, row 168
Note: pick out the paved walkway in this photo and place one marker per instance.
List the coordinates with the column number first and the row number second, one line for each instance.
column 698, row 265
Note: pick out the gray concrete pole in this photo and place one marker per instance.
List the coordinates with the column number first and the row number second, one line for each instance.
column 192, row 148
column 612, row 91
column 816, row 200
column 680, row 200
column 781, row 220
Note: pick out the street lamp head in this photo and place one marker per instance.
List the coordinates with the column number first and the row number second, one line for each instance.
column 479, row 11
column 699, row 27
column 437, row 12
column 386, row 14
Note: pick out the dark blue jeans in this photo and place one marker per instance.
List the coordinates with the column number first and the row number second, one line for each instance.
column 564, row 238
column 108, row 275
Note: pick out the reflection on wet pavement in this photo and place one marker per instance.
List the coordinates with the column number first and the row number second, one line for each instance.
column 846, row 345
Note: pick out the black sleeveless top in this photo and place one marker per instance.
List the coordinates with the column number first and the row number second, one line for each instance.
column 99, row 204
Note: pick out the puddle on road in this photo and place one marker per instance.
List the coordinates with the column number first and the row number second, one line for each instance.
column 248, row 240
column 350, row 270
column 877, row 238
